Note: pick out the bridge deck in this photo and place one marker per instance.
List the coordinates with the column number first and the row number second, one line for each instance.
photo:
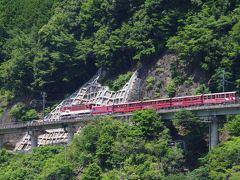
column 220, row 109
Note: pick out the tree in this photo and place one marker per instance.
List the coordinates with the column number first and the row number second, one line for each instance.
column 57, row 169
column 192, row 131
column 93, row 172
column 221, row 162
column 148, row 124
column 233, row 126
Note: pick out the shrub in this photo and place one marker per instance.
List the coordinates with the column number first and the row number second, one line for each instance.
column 149, row 86
column 189, row 81
column 159, row 70
column 202, row 89
column 119, row 82
column 146, row 98
column 151, row 79
column 158, row 84
column 171, row 88
column 21, row 113
column 6, row 95
column 157, row 94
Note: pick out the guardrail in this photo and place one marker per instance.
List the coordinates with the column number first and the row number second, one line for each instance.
column 42, row 123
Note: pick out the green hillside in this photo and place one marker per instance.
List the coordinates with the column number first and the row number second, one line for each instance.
column 49, row 45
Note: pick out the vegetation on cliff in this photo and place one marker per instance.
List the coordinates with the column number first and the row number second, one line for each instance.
column 48, row 45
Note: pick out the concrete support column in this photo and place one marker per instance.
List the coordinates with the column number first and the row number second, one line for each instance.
column 1, row 141
column 34, row 138
column 214, row 132
column 70, row 133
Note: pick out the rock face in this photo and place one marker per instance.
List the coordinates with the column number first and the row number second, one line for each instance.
column 90, row 92
column 156, row 76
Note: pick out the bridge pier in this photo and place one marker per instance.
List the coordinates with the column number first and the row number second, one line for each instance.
column 34, row 138
column 214, row 136
column 1, row 141
column 70, row 133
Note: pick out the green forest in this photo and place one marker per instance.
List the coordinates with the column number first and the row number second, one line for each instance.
column 113, row 149
column 48, row 45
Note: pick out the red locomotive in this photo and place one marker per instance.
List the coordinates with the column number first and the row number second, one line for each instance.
column 177, row 102
column 76, row 110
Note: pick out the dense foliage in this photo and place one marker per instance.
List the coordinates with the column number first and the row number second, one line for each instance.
column 210, row 39
column 42, row 163
column 49, row 45
column 141, row 149
column 221, row 162
column 52, row 44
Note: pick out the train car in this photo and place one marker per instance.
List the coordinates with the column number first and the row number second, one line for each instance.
column 102, row 109
column 124, row 108
column 157, row 104
column 75, row 110
column 218, row 98
column 186, row 101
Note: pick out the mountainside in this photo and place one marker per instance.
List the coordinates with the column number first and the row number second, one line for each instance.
column 49, row 45
column 180, row 47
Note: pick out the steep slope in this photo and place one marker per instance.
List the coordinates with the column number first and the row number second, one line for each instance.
column 158, row 76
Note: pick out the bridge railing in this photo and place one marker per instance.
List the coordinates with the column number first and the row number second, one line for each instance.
column 40, row 123
column 84, row 118
column 13, row 125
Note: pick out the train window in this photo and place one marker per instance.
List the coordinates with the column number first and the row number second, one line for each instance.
column 205, row 97
column 227, row 96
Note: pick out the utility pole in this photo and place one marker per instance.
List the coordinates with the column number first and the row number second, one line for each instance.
column 44, row 95
column 121, row 163
column 223, row 80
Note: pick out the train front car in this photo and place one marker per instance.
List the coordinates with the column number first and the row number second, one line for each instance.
column 75, row 111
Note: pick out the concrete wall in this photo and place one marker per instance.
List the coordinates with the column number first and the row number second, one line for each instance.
column 91, row 92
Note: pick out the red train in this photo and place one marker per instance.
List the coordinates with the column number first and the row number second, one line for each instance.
column 177, row 102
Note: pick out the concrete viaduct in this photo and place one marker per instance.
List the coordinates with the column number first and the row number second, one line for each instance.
column 35, row 128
